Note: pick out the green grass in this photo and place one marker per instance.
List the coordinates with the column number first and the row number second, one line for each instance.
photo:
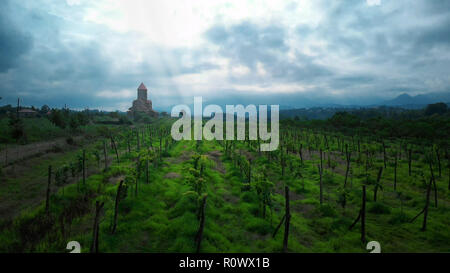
column 163, row 216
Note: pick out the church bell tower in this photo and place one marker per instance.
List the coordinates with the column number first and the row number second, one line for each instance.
column 142, row 92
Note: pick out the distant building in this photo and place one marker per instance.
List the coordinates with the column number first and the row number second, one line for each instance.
column 27, row 113
column 142, row 104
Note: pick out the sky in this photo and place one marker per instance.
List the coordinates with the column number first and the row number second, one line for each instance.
column 94, row 54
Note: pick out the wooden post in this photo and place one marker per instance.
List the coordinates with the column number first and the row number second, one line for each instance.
column 278, row 226
column 47, row 199
column 105, row 155
column 18, row 107
column 137, row 137
column 199, row 236
column 425, row 209
column 348, row 156
column 116, row 206
column 438, row 156
column 448, row 167
column 395, row 171
column 160, row 144
column 94, row 245
column 287, row 221
column 6, row 154
column 321, row 163
column 138, row 173
column 301, row 155
column 427, row 203
column 249, row 171
column 115, row 148
column 380, row 170
column 84, row 167
column 320, row 184
column 363, row 215
column 409, row 161
column 434, row 185
column 146, row 171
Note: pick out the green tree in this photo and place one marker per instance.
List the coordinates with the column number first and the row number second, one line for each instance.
column 17, row 128
column 436, row 108
column 45, row 109
column 57, row 118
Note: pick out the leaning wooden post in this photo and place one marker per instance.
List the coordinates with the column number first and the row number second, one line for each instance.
column 105, row 155
column 116, row 206
column 287, row 221
column 94, row 245
column 115, row 148
column 47, row 199
column 427, row 203
column 278, row 226
column 377, row 185
column 434, row 185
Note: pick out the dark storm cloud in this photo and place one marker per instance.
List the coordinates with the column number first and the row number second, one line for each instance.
column 247, row 43
column 55, row 68
column 435, row 7
column 344, row 82
column 408, row 40
column 13, row 42
column 355, row 53
column 436, row 35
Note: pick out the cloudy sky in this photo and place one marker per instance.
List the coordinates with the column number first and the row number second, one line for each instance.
column 95, row 53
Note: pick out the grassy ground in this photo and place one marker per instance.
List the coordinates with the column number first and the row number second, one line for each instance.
column 39, row 129
column 163, row 215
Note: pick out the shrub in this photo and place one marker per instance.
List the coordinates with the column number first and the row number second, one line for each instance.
column 327, row 210
column 379, row 208
column 259, row 226
column 398, row 218
column 70, row 140
column 249, row 197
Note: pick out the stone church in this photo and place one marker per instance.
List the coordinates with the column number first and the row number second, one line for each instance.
column 142, row 104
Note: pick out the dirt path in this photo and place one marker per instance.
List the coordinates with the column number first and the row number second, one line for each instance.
column 216, row 157
column 16, row 153
column 23, row 191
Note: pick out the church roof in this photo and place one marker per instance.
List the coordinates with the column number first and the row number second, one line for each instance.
column 142, row 87
column 26, row 111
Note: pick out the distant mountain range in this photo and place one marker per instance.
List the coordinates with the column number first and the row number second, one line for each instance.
column 302, row 101
column 418, row 101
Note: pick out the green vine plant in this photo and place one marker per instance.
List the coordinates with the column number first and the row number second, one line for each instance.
column 264, row 189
